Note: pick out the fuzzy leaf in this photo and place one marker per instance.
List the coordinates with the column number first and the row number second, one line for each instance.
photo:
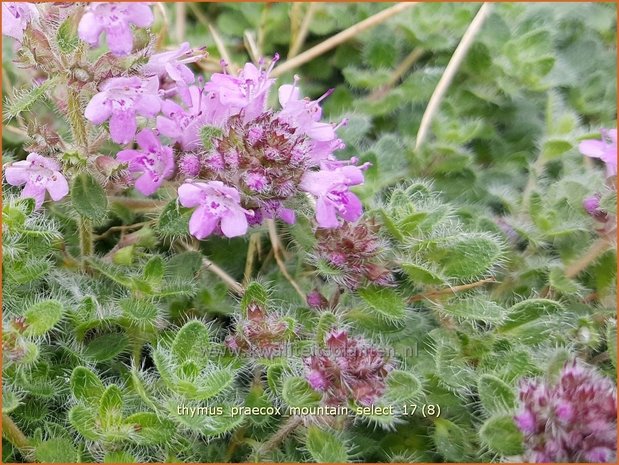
column 23, row 100
column 254, row 293
column 106, row 346
column 298, row 393
column 86, row 385
column 150, row 429
column 384, row 301
column 420, row 274
column 174, row 220
column 325, row 447
column 84, row 421
column 88, row 197
column 495, row 395
column 110, row 406
column 530, row 310
column 451, row 440
column 402, row 386
column 501, row 435
column 56, row 450
column 190, row 341
column 42, row 317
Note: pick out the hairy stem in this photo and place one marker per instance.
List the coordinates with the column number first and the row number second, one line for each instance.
column 340, row 38
column 595, row 251
column 76, row 120
column 450, row 72
column 252, row 250
column 284, row 430
column 86, row 237
column 15, row 436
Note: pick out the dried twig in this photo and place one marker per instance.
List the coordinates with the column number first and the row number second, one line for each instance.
column 450, row 290
column 450, row 72
column 299, row 39
column 341, row 37
column 277, row 253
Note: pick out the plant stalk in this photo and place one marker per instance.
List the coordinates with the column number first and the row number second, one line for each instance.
column 76, row 120
column 86, row 236
column 15, row 436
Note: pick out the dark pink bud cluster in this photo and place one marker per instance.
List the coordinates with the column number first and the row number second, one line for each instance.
column 592, row 207
column 355, row 251
column 348, row 368
column 261, row 334
column 573, row 420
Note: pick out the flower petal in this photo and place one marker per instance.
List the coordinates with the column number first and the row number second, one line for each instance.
column 592, row 148
column 325, row 214
column 35, row 192
column 140, row 15
column 17, row 173
column 98, row 109
column 147, row 140
column 201, row 223
column 146, row 184
column 123, row 126
column 89, row 29
column 147, row 105
column 190, row 195
column 119, row 39
column 234, row 223
column 57, row 186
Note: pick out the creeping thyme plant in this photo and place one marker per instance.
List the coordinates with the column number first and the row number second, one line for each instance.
column 309, row 232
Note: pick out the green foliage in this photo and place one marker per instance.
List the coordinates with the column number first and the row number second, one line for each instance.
column 88, row 197
column 325, row 447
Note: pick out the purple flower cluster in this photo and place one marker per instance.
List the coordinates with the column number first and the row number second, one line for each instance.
column 573, row 420
column 237, row 161
column 262, row 334
column 354, row 250
column 348, row 369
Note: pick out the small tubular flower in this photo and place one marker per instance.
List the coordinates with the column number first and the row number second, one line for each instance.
column 37, row 174
column 246, row 92
column 174, row 64
column 15, row 18
column 120, row 101
column 605, row 150
column 217, row 205
column 154, row 163
column 330, row 186
column 115, row 19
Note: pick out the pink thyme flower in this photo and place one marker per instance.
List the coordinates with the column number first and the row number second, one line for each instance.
column 303, row 113
column 155, row 162
column 572, row 420
column 174, row 64
column 330, row 187
column 115, row 19
column 120, row 100
column 348, row 369
column 183, row 125
column 38, row 174
column 217, row 204
column 246, row 92
column 605, row 150
column 15, row 18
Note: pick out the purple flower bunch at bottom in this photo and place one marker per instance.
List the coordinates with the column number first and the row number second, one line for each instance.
column 572, row 420
column 348, row 369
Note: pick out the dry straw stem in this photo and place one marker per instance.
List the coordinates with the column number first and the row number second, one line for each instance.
column 277, row 253
column 299, row 39
column 340, row 38
column 450, row 71
column 450, row 290
column 219, row 43
column 591, row 255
